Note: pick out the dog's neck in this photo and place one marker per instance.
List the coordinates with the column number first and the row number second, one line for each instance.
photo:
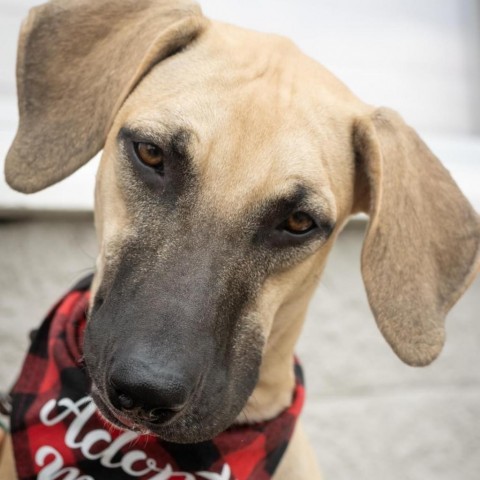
column 275, row 386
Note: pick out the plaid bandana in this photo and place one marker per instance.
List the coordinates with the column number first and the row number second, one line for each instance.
column 59, row 434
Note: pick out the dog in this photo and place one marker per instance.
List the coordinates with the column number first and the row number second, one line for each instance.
column 231, row 162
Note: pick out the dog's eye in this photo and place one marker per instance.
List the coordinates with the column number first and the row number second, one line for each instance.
column 150, row 155
column 299, row 223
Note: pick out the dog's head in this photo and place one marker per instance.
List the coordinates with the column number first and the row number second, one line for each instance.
column 231, row 161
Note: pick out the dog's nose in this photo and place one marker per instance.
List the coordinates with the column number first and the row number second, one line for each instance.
column 155, row 396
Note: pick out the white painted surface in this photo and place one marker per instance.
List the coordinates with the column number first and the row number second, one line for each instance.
column 419, row 57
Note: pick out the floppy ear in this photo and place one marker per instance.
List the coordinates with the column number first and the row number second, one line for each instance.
column 421, row 248
column 77, row 62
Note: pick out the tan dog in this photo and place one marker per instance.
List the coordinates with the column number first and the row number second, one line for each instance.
column 231, row 162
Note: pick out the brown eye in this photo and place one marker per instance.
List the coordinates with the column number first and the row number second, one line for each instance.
column 298, row 223
column 150, row 155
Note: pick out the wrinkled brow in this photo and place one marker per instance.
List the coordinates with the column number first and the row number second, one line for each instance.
column 301, row 197
column 176, row 141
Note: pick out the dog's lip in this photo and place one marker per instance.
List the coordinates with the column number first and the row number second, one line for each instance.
column 130, row 424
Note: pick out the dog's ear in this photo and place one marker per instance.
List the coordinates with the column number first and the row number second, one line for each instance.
column 77, row 62
column 422, row 244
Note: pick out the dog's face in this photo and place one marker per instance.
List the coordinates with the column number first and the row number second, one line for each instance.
column 224, row 206
column 231, row 162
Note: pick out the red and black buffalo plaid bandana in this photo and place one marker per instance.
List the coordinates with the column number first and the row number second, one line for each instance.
column 59, row 434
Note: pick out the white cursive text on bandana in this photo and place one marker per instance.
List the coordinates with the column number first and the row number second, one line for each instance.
column 52, row 463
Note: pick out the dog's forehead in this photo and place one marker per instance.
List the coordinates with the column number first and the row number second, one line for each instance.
column 262, row 117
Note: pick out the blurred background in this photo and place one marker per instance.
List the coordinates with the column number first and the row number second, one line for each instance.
column 369, row 416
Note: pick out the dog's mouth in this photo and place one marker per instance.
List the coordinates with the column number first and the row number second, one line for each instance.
column 213, row 406
column 187, row 424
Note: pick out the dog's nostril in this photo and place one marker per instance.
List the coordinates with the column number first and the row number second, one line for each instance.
column 162, row 414
column 126, row 402
column 156, row 413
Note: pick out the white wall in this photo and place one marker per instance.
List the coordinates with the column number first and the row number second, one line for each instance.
column 419, row 57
